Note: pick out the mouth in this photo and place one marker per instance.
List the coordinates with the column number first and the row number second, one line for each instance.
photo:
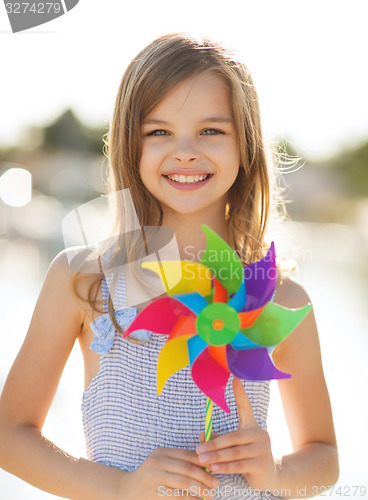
column 188, row 179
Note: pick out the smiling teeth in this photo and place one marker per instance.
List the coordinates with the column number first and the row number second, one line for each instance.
column 188, row 179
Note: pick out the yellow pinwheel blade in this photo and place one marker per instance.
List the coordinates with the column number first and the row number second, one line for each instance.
column 182, row 276
column 173, row 357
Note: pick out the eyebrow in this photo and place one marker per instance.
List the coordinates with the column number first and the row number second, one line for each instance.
column 212, row 119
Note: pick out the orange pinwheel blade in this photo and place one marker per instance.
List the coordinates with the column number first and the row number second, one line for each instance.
column 248, row 318
column 186, row 325
column 219, row 291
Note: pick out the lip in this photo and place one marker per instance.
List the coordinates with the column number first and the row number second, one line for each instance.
column 189, row 186
column 186, row 172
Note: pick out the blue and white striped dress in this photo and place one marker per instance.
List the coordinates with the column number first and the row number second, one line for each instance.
column 124, row 420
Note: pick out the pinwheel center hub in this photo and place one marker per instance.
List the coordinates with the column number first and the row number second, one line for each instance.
column 218, row 324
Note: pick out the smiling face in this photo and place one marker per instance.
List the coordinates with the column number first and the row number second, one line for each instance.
column 190, row 154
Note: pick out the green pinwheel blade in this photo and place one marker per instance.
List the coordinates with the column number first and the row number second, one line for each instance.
column 275, row 324
column 223, row 262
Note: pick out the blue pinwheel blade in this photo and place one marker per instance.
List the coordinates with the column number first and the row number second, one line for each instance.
column 238, row 300
column 195, row 347
column 242, row 342
column 193, row 300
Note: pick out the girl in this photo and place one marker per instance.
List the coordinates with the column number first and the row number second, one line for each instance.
column 186, row 141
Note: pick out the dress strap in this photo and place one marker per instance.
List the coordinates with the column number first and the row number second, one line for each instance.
column 105, row 288
column 113, row 284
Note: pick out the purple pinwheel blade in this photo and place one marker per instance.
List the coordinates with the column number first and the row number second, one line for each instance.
column 238, row 300
column 160, row 316
column 260, row 280
column 193, row 300
column 211, row 378
column 253, row 364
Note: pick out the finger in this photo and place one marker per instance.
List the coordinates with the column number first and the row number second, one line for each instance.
column 231, row 454
column 245, row 410
column 186, row 473
column 242, row 436
column 188, row 456
column 202, row 436
column 187, row 463
column 247, row 466
column 179, row 482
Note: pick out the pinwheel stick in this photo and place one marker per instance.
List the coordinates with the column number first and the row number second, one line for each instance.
column 208, row 429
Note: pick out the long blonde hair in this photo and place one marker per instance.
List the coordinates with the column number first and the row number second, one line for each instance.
column 157, row 69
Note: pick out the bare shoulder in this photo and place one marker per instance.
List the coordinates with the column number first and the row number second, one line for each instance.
column 291, row 294
column 71, row 275
column 56, row 323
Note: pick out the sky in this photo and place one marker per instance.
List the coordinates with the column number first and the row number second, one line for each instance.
column 307, row 59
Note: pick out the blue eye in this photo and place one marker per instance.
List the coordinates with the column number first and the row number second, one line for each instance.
column 158, row 132
column 212, row 131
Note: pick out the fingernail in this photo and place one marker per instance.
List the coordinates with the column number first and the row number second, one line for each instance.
column 200, row 448
column 215, row 467
column 204, row 457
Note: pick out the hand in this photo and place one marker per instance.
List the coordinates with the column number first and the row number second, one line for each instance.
column 246, row 451
column 168, row 469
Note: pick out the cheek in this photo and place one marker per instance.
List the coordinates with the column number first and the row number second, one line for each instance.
column 227, row 149
column 151, row 157
column 146, row 163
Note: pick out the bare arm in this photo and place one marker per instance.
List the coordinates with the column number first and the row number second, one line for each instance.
column 313, row 466
column 29, row 390
column 314, row 462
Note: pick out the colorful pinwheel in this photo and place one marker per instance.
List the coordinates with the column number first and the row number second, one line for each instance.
column 219, row 318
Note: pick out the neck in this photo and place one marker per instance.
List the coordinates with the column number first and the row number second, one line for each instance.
column 190, row 238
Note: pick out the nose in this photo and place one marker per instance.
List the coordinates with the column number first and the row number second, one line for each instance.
column 185, row 152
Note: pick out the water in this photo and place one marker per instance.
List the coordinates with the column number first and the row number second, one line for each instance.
column 333, row 271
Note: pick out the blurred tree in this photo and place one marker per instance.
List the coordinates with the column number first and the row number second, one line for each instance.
column 68, row 133
column 314, row 191
column 352, row 166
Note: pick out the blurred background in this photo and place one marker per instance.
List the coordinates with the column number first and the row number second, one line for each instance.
column 307, row 60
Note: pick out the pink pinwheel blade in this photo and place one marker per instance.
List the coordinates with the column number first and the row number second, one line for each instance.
column 160, row 316
column 260, row 280
column 253, row 364
column 211, row 378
